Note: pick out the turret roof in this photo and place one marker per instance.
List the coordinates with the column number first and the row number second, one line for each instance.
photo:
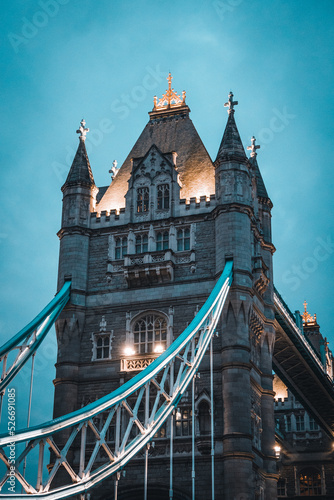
column 171, row 130
column 231, row 147
column 80, row 171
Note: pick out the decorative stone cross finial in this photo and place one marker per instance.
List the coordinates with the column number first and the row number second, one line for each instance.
column 253, row 147
column 230, row 103
column 82, row 130
column 113, row 171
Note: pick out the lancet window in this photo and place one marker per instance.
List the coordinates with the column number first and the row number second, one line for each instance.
column 143, row 199
column 162, row 240
column 150, row 334
column 281, row 487
column 102, row 342
column 204, row 418
column 141, row 243
column 183, row 239
column 163, row 196
column 313, row 425
column 300, row 425
column 121, row 247
column 183, row 421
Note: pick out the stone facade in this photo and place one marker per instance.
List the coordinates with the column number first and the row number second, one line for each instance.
column 147, row 250
column 305, row 452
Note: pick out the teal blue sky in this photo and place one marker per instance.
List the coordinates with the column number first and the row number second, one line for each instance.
column 67, row 59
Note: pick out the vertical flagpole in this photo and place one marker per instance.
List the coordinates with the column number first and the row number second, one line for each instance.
column 212, row 424
column 29, row 406
column 171, row 378
column 193, row 437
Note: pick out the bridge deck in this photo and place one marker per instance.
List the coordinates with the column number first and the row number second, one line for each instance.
column 298, row 365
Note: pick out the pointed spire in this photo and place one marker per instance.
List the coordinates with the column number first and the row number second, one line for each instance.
column 80, row 171
column 261, row 188
column 231, row 147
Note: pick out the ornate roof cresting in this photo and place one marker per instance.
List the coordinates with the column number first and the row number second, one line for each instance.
column 170, row 99
column 253, row 147
column 230, row 103
column 82, row 130
column 308, row 319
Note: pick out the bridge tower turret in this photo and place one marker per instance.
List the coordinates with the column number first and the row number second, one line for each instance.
column 79, row 198
column 241, row 222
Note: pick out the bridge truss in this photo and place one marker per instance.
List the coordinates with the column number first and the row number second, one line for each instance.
column 131, row 415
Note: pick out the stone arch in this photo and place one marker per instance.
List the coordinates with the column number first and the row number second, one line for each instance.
column 164, row 326
column 309, row 481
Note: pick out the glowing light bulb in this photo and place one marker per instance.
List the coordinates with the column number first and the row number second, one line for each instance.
column 159, row 349
column 129, row 351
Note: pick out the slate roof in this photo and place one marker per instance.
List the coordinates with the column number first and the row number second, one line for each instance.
column 231, row 147
column 80, row 171
column 261, row 188
column 169, row 131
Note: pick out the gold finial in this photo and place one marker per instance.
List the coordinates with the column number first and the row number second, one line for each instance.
column 308, row 319
column 169, row 79
column 253, row 147
column 170, row 99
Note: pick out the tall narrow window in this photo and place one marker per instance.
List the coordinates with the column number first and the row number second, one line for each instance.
column 300, row 423
column 102, row 346
column 162, row 240
column 288, row 423
column 183, row 422
column 150, row 334
column 163, row 196
column 121, row 247
column 313, row 425
column 204, row 418
column 281, row 487
column 309, row 482
column 183, row 239
column 143, row 199
column 141, row 243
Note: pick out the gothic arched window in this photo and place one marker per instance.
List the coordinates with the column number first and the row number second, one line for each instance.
column 141, row 243
column 163, row 196
column 143, row 199
column 204, row 418
column 183, row 421
column 121, row 247
column 150, row 334
column 183, row 239
column 309, row 482
column 162, row 240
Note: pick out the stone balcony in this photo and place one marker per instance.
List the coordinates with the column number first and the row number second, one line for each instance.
column 137, row 362
column 151, row 267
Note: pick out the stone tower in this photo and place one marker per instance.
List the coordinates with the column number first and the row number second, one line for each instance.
column 143, row 255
